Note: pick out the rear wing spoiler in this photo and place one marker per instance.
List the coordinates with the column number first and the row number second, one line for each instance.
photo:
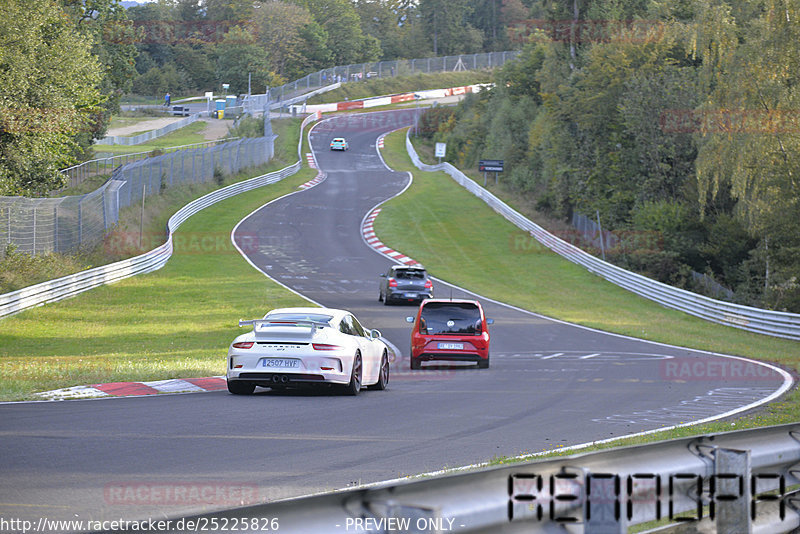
column 255, row 323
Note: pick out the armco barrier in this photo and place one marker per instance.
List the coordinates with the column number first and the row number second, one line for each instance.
column 704, row 482
column 67, row 286
column 768, row 322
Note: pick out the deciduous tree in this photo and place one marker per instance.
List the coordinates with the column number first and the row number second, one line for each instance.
column 50, row 93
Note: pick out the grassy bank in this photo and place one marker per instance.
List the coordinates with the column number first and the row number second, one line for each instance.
column 175, row 322
column 440, row 224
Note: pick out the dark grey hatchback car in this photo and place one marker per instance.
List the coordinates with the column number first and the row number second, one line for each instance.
column 404, row 283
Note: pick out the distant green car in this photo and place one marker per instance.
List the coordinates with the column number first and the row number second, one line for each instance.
column 339, row 143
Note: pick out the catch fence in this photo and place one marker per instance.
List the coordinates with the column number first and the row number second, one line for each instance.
column 299, row 90
column 42, row 225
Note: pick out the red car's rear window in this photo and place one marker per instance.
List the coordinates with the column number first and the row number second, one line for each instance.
column 450, row 318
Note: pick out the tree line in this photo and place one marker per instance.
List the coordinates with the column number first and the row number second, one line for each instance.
column 193, row 44
column 676, row 121
column 65, row 64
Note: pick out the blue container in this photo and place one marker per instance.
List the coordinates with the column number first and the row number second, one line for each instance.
column 230, row 101
column 220, row 104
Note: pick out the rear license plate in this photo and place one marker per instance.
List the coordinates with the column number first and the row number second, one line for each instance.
column 451, row 346
column 411, row 295
column 280, row 362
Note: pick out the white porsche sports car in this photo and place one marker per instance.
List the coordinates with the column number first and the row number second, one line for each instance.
column 292, row 346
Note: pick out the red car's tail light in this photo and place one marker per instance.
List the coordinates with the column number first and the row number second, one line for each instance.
column 392, row 282
column 243, row 345
column 428, row 284
column 325, row 346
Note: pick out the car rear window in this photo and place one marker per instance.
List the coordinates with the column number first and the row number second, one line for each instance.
column 409, row 274
column 316, row 317
column 453, row 318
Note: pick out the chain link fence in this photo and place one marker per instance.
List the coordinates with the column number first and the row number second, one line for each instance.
column 77, row 174
column 42, row 225
column 280, row 96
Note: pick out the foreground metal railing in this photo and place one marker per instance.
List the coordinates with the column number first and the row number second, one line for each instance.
column 67, row 286
column 772, row 323
column 736, row 482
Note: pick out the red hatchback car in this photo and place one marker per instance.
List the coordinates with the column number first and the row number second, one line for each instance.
column 450, row 330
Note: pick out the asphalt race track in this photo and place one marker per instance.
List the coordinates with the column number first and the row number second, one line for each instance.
column 550, row 384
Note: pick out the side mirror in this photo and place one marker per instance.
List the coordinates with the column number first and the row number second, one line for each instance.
column 375, row 333
column 489, row 321
column 409, row 319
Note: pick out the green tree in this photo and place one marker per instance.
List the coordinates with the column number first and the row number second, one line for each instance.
column 294, row 41
column 236, row 12
column 750, row 131
column 448, row 27
column 113, row 35
column 50, row 94
column 346, row 41
column 238, row 56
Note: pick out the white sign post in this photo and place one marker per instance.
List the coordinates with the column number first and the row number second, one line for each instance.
column 441, row 150
column 209, row 98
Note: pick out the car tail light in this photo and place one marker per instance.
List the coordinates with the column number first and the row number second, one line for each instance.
column 325, row 346
column 428, row 284
column 392, row 282
column 243, row 345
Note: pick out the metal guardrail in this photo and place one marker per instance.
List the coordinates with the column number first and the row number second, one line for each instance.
column 720, row 481
column 67, row 286
column 768, row 322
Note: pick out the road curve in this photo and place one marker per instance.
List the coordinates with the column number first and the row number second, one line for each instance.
column 550, row 384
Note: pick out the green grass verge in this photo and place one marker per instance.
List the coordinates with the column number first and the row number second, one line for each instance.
column 175, row 322
column 461, row 240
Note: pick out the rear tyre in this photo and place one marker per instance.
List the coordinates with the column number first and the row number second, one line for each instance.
column 484, row 364
column 383, row 373
column 241, row 388
column 354, row 387
column 415, row 364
